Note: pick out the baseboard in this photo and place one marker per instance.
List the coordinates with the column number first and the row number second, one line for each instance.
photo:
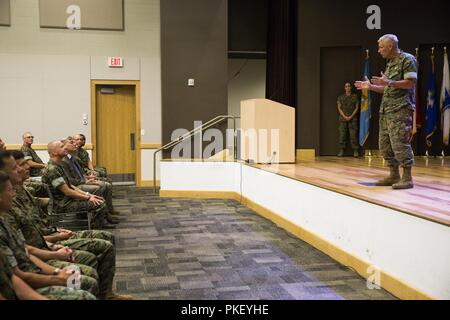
column 39, row 147
column 391, row 284
column 372, row 153
column 149, row 183
column 305, row 154
column 200, row 194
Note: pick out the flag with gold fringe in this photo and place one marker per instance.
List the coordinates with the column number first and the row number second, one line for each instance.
column 431, row 117
column 366, row 113
column 445, row 100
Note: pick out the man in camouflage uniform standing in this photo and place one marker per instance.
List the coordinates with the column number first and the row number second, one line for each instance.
column 35, row 163
column 348, row 105
column 397, row 84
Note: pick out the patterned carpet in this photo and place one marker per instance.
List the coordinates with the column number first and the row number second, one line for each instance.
column 219, row 249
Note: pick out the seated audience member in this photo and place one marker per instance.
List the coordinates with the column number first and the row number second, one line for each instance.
column 68, row 198
column 83, row 156
column 35, row 163
column 2, row 145
column 12, row 287
column 60, row 257
column 91, row 184
column 27, row 217
column 45, row 279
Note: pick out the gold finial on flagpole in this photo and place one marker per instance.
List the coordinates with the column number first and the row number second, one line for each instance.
column 432, row 51
column 367, row 53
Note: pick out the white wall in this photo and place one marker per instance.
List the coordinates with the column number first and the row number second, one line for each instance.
column 45, row 73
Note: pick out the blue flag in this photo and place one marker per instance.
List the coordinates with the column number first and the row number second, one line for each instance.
column 366, row 112
column 432, row 106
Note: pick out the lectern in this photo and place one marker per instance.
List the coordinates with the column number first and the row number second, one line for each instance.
column 267, row 131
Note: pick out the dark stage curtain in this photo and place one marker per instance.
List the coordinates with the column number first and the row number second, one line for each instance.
column 281, row 52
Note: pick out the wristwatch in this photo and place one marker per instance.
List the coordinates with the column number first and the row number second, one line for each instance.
column 56, row 271
column 390, row 83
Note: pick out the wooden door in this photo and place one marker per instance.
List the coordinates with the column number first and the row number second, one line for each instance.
column 116, row 131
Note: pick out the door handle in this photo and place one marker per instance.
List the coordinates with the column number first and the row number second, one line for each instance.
column 132, row 142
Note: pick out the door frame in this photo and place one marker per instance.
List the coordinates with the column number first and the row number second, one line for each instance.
column 137, row 91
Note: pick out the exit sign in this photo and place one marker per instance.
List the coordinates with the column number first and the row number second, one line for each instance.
column 115, row 62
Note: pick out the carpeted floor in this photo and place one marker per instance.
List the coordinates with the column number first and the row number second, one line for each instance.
column 219, row 249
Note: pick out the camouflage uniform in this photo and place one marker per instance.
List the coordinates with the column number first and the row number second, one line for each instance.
column 348, row 105
column 6, row 273
column 65, row 293
column 396, row 110
column 37, row 188
column 102, row 247
column 19, row 221
column 83, row 156
column 52, row 292
column 12, row 246
column 40, row 219
column 30, row 154
column 54, row 176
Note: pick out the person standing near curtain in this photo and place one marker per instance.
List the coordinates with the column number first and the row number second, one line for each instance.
column 348, row 106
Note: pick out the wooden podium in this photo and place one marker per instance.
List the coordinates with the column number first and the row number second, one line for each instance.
column 267, row 131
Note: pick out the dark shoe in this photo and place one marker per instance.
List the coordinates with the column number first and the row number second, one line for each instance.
column 406, row 181
column 116, row 296
column 394, row 177
column 112, row 219
column 341, row 153
column 107, row 225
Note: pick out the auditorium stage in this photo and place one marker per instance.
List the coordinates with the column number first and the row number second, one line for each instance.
column 429, row 199
column 399, row 237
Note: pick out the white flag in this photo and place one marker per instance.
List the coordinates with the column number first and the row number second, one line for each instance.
column 445, row 101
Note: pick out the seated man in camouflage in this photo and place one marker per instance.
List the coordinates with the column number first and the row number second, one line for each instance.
column 61, row 256
column 72, row 168
column 68, row 198
column 35, row 163
column 83, row 156
column 12, row 287
column 26, row 215
column 48, row 281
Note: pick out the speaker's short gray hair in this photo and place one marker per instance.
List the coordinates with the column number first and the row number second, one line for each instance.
column 391, row 37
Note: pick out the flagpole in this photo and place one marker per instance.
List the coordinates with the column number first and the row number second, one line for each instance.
column 442, row 114
column 432, row 70
column 367, row 58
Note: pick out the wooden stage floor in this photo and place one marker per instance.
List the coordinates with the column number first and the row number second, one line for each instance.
column 429, row 199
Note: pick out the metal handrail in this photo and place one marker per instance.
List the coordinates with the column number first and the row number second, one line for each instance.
column 193, row 132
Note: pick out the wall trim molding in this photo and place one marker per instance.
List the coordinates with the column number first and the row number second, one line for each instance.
column 305, row 154
column 40, row 147
column 395, row 286
column 149, row 183
column 150, row 146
